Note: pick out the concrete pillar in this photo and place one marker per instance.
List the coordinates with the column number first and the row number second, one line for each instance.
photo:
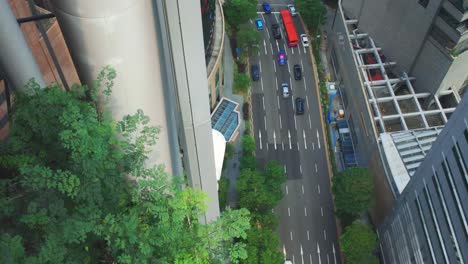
column 183, row 20
column 16, row 58
column 122, row 34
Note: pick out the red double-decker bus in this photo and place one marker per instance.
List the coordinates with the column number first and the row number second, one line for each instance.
column 291, row 33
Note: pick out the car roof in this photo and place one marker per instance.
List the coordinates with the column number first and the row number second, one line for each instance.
column 280, row 51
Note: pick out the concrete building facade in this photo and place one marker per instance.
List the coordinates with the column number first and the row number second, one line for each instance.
column 429, row 221
column 426, row 37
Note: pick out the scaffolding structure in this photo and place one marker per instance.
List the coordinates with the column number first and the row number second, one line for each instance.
column 407, row 122
column 396, row 105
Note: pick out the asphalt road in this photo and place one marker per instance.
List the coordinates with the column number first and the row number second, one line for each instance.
column 307, row 223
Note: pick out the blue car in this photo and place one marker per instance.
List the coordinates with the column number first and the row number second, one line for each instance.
column 281, row 57
column 266, row 7
column 259, row 23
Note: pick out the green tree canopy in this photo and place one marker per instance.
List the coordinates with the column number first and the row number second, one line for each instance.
column 67, row 197
column 358, row 243
column 262, row 247
column 312, row 12
column 248, row 145
column 241, row 82
column 248, row 39
column 352, row 189
column 239, row 12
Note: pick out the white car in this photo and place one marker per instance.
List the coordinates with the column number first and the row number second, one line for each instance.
column 292, row 10
column 304, row 40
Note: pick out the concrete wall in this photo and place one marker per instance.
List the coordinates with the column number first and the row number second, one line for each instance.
column 431, row 67
column 457, row 73
column 397, row 26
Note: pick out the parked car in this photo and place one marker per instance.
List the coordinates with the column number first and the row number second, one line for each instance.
column 292, row 10
column 255, row 72
column 299, row 106
column 276, row 31
column 259, row 23
column 304, row 40
column 281, row 57
column 266, row 7
column 297, row 72
column 285, row 90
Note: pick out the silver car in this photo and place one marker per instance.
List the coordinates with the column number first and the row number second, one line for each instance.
column 285, row 90
column 292, row 10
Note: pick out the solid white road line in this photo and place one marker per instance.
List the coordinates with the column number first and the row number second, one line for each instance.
column 289, row 136
column 307, row 100
column 281, row 126
column 274, row 138
column 325, row 234
column 305, row 142
column 313, row 146
column 334, row 253
column 260, row 138
column 271, row 48
column 302, row 66
column 287, row 190
column 277, row 45
column 290, row 83
column 305, row 211
column 305, row 84
column 264, row 45
column 285, row 50
column 321, row 210
column 305, row 52
column 295, row 122
column 282, row 145
column 303, row 189
column 316, row 170
column 299, row 50
column 328, row 259
column 290, row 234
column 292, row 50
column 289, row 69
column 284, row 168
column 318, row 253
column 294, row 262
column 318, row 188
column 261, row 83
column 277, row 99
column 310, row 257
column 274, row 65
column 264, row 122
column 318, row 139
column 297, row 145
column 300, row 168
column 263, row 102
column 260, row 65
column 289, row 211
column 267, row 145
column 310, row 123
column 308, row 237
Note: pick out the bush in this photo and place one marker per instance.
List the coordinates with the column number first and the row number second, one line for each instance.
column 241, row 83
column 248, row 145
column 248, row 162
column 229, row 152
column 245, row 110
column 223, row 188
column 247, row 128
column 358, row 243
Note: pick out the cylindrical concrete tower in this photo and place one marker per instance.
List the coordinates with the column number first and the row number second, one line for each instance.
column 157, row 49
column 16, row 58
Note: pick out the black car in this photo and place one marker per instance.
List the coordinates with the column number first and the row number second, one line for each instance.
column 255, row 72
column 276, row 31
column 297, row 72
column 299, row 106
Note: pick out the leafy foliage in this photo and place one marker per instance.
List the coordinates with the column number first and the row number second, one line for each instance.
column 248, row 145
column 312, row 12
column 238, row 12
column 241, row 83
column 352, row 189
column 223, row 188
column 358, row 243
column 69, row 197
column 248, row 39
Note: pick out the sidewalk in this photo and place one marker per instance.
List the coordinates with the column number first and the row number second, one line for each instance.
column 232, row 170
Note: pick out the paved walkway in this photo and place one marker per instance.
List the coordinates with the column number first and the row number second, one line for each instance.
column 231, row 170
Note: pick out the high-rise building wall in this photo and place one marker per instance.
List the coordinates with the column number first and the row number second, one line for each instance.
column 426, row 37
column 429, row 223
column 157, row 50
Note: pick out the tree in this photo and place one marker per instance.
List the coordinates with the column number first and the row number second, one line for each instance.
column 223, row 189
column 262, row 247
column 239, row 12
column 274, row 175
column 312, row 12
column 248, row 39
column 352, row 189
column 358, row 243
column 248, row 145
column 68, row 196
column 230, row 149
column 253, row 194
column 241, row 82
column 248, row 161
